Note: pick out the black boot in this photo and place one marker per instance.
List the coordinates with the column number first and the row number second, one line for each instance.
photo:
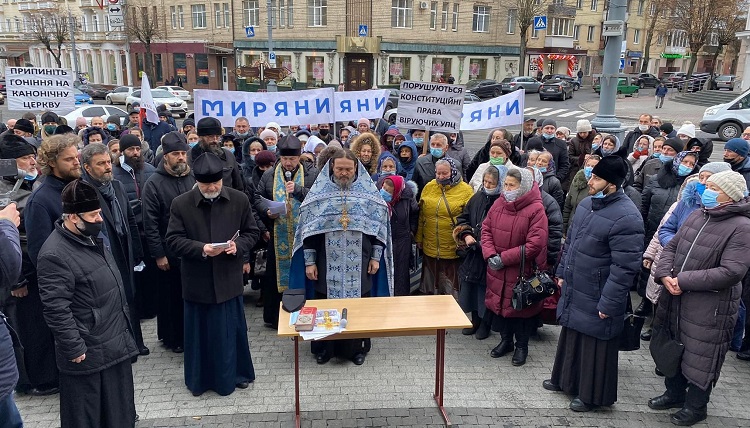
column 519, row 357
column 644, row 309
column 505, row 346
column 475, row 321
column 485, row 326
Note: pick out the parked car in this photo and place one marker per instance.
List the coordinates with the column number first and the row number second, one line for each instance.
column 81, row 97
column 725, row 81
column 390, row 114
column 694, row 83
column 95, row 90
column 484, row 88
column 572, row 80
column 174, row 104
column 647, row 80
column 624, row 87
column 392, row 99
column 671, row 78
column 88, row 112
column 120, row 94
column 177, row 91
column 510, row 84
column 3, row 88
column 557, row 88
column 728, row 120
column 2, row 98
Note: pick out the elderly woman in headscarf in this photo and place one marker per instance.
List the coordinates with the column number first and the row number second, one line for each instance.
column 443, row 200
column 515, row 230
column 404, row 215
column 551, row 184
column 500, row 152
column 473, row 270
column 346, row 135
column 642, row 149
column 366, row 148
column 483, row 154
column 387, row 165
column 313, row 147
column 611, row 145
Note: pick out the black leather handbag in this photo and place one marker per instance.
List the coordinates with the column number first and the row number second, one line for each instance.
column 534, row 289
column 666, row 348
column 630, row 338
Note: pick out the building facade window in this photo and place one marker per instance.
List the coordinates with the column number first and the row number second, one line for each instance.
column 433, row 15
column 454, row 26
column 401, row 13
column 173, row 14
column 217, row 15
column 594, row 4
column 444, row 16
column 273, row 14
column 480, row 22
column 181, row 16
column 315, row 70
column 399, row 68
column 180, row 66
column 284, row 61
column 201, row 69
column 590, row 34
column 636, row 36
column 227, row 19
column 157, row 67
column 659, row 39
column 317, row 13
column 579, row 4
column 477, row 68
column 199, row 15
column 576, row 32
column 560, row 27
column 534, row 33
column 713, row 39
column 286, row 13
column 512, row 21
column 441, row 69
column 250, row 12
column 641, row 7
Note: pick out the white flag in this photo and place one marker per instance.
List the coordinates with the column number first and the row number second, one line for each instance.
column 147, row 101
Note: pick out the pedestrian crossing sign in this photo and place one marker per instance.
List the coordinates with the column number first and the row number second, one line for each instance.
column 362, row 30
column 250, row 31
column 540, row 22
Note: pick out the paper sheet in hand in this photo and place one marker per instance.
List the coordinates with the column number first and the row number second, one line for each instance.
column 275, row 207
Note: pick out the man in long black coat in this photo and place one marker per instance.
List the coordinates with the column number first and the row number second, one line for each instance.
column 120, row 228
column 210, row 131
column 212, row 229
column 172, row 179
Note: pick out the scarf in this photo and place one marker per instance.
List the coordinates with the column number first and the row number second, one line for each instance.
column 118, row 217
column 398, row 186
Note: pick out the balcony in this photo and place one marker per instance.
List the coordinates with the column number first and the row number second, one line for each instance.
column 27, row 6
column 89, row 3
column 47, row 5
column 558, row 42
column 101, row 36
column 561, row 11
column 675, row 50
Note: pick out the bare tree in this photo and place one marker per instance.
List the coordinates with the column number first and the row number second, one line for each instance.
column 653, row 17
column 526, row 10
column 730, row 19
column 51, row 30
column 697, row 18
column 142, row 25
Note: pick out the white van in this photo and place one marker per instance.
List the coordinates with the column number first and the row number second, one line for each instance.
column 728, row 120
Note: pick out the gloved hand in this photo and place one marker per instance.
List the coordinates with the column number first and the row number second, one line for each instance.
column 636, row 154
column 495, row 263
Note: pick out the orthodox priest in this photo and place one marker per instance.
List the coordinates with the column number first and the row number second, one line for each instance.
column 344, row 240
column 212, row 230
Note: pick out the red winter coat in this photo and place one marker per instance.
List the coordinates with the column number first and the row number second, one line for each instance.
column 509, row 225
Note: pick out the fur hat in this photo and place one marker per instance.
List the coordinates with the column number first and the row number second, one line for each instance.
column 79, row 196
column 209, row 126
column 13, row 147
column 730, row 182
column 24, row 125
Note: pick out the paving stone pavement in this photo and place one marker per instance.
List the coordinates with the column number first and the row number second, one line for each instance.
column 393, row 388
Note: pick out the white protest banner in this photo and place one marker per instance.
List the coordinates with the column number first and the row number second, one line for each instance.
column 356, row 105
column 430, row 106
column 37, row 88
column 147, row 101
column 284, row 108
column 506, row 110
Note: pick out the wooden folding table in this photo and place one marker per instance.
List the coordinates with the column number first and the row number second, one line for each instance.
column 386, row 317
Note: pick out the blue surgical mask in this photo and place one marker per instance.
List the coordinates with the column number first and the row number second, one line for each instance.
column 542, row 169
column 242, row 134
column 418, row 141
column 272, row 148
column 548, row 136
column 437, row 152
column 587, row 172
column 252, row 157
column 664, row 158
column 111, row 127
column 231, row 149
column 511, row 195
column 31, row 176
column 709, row 199
column 598, row 195
column 386, row 196
column 594, row 147
column 683, row 170
column 193, row 144
column 700, row 188
column 387, row 173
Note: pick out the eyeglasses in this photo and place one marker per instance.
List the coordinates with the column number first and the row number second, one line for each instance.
column 746, row 135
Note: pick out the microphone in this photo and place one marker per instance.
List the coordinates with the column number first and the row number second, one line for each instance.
column 288, row 175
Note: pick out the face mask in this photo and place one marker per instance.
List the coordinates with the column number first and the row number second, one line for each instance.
column 511, row 195
column 444, row 182
column 700, row 188
column 607, row 152
column 587, row 172
column 242, row 134
column 542, row 169
column 396, row 145
column 683, row 170
column 709, row 199
column 111, row 127
column 438, row 153
column 598, row 195
column 419, row 141
column 31, row 176
column 594, row 147
column 386, row 196
column 271, row 148
column 732, row 161
column 643, row 128
column 193, row 144
column 497, row 161
column 387, row 173
column 89, row 229
column 252, row 157
column 664, row 158
column 49, row 129
column 323, row 132
column 548, row 136
column 492, row 192
column 231, row 150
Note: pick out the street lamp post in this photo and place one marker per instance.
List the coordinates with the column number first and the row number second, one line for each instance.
column 72, row 23
column 605, row 119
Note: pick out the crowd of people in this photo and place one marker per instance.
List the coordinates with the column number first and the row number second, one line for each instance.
column 120, row 223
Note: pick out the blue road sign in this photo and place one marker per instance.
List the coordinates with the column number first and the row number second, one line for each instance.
column 540, row 22
column 622, row 63
column 362, row 30
column 250, row 31
column 272, row 56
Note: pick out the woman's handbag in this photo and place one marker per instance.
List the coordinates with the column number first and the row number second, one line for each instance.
column 261, row 261
column 666, row 348
column 630, row 338
column 529, row 291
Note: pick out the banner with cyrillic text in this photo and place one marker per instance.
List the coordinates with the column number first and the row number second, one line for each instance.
column 355, row 105
column 430, row 106
column 506, row 110
column 40, row 89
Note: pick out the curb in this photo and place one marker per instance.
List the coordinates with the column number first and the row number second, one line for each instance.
column 581, row 107
column 636, row 118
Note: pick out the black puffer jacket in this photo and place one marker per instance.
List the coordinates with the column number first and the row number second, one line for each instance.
column 660, row 193
column 133, row 183
column 559, row 150
column 708, row 255
column 473, row 268
column 84, row 303
column 555, row 229
column 551, row 185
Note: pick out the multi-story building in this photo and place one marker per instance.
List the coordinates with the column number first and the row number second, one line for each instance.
column 743, row 63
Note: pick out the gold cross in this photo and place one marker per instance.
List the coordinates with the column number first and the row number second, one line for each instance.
column 344, row 219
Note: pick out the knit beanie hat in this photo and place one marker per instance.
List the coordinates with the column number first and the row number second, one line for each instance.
column 688, row 128
column 675, row 143
column 265, row 158
column 583, row 125
column 129, row 140
column 737, row 145
column 13, row 147
column 267, row 133
column 503, row 144
column 24, row 125
column 716, row 167
column 666, row 127
column 612, row 169
column 730, row 182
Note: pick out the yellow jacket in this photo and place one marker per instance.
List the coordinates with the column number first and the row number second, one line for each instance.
column 435, row 229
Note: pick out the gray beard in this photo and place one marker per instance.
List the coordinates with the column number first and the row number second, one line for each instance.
column 179, row 169
column 344, row 184
column 212, row 195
